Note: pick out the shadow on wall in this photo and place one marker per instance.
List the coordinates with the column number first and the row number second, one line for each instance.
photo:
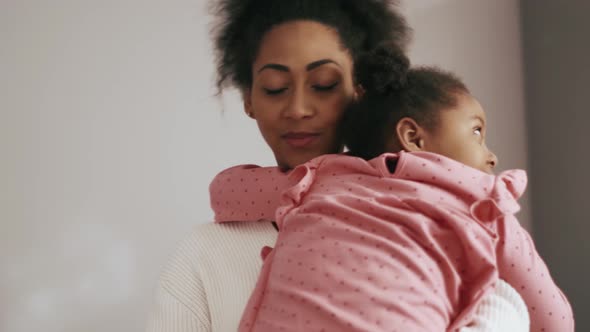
column 556, row 57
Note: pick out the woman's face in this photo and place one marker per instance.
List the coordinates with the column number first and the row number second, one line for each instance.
column 302, row 81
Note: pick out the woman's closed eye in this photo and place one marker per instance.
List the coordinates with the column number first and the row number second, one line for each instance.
column 274, row 92
column 325, row 87
column 316, row 87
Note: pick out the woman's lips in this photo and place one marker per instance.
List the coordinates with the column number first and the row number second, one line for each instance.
column 300, row 140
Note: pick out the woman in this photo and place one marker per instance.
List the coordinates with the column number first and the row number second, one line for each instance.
column 293, row 62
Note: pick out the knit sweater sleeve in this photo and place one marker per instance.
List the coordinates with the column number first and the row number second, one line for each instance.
column 180, row 297
column 170, row 314
column 208, row 279
column 501, row 310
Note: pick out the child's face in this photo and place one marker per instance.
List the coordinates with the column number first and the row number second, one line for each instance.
column 460, row 135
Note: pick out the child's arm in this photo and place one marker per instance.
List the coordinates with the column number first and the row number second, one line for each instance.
column 247, row 193
column 518, row 262
column 521, row 266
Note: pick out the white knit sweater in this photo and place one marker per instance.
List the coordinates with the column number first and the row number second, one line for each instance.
column 209, row 278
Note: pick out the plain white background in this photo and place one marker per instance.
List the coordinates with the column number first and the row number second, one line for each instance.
column 110, row 134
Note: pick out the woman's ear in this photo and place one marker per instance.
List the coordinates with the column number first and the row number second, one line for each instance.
column 359, row 92
column 247, row 98
column 410, row 135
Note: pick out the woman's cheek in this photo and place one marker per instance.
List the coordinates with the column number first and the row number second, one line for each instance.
column 336, row 105
column 266, row 108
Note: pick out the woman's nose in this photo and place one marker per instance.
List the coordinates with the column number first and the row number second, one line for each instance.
column 298, row 106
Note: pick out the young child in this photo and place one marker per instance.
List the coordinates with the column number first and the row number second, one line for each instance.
column 406, row 241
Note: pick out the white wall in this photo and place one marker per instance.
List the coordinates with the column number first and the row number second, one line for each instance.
column 480, row 41
column 109, row 136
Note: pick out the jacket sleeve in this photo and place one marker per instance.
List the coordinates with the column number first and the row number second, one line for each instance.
column 522, row 267
column 247, row 193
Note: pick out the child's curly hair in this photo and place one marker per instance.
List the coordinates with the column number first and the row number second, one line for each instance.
column 241, row 24
column 394, row 91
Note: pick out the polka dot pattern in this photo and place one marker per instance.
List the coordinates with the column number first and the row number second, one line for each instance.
column 247, row 192
column 520, row 265
column 363, row 249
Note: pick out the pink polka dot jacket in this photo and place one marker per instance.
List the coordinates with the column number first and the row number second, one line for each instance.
column 403, row 242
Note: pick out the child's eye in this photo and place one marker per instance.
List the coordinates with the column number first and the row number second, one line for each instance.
column 324, row 88
column 477, row 131
column 273, row 92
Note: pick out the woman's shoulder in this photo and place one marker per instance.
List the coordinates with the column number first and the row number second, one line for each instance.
column 221, row 241
column 231, row 235
column 202, row 260
column 211, row 273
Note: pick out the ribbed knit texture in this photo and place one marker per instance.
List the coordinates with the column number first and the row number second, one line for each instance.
column 502, row 310
column 209, row 278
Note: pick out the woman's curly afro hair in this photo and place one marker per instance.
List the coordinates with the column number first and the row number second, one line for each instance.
column 240, row 25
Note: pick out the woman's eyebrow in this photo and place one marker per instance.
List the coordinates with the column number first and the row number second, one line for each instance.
column 309, row 67
column 318, row 63
column 274, row 66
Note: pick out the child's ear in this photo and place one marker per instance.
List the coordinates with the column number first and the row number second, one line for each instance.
column 410, row 135
column 247, row 98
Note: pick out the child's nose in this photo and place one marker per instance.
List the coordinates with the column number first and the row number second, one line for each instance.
column 492, row 160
